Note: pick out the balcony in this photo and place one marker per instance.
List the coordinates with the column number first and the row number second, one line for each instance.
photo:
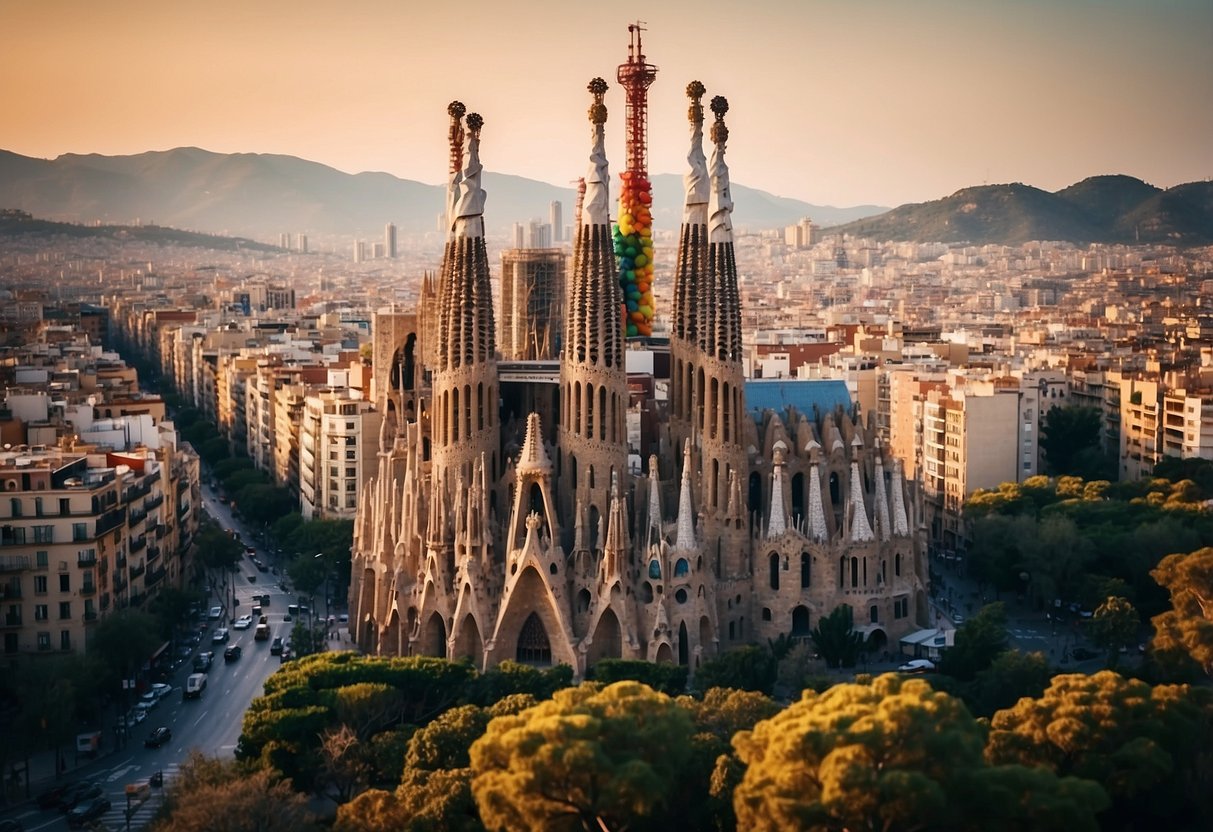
column 154, row 578
column 136, row 571
column 13, row 563
column 12, row 619
column 120, row 585
column 90, row 615
column 153, row 552
column 86, row 558
column 10, row 591
column 153, row 504
column 88, row 589
column 137, row 544
column 137, row 517
column 110, row 520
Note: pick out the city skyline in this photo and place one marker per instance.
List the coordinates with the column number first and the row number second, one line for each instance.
column 914, row 100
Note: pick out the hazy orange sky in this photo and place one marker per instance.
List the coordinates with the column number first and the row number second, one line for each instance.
column 832, row 101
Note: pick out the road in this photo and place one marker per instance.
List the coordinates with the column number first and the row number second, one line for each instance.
column 210, row 724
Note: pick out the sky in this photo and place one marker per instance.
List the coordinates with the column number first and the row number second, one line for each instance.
column 840, row 102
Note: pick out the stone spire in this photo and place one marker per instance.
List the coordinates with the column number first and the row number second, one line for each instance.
column 456, row 111
column 534, row 456
column 817, row 518
column 654, row 530
column 616, row 546
column 861, row 529
column 777, row 522
column 695, row 180
column 595, row 206
column 469, row 209
column 901, row 526
column 720, row 204
column 882, row 501
column 685, row 540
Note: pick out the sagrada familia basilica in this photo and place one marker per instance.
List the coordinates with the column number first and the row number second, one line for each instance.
column 519, row 531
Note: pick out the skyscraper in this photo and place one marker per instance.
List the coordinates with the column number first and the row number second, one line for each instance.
column 556, row 220
column 389, row 240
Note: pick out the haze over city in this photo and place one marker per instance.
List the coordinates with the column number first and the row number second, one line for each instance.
column 831, row 102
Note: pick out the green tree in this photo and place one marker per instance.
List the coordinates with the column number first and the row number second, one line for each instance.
column 368, row 707
column 427, row 801
column 670, row 679
column 217, row 549
column 1148, row 747
column 121, row 642
column 1114, row 626
column 589, row 758
column 1188, row 625
column 1065, row 434
column 978, row 642
column 835, row 638
column 511, row 677
column 235, row 800
column 263, row 504
column 1011, row 676
column 744, row 668
column 892, row 754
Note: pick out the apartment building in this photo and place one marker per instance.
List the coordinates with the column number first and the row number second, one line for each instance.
column 338, row 443
column 1187, row 424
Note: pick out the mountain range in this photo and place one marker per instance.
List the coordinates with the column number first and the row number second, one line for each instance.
column 1101, row 209
column 263, row 195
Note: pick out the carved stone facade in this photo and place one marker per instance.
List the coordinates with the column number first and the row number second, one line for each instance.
column 517, row 540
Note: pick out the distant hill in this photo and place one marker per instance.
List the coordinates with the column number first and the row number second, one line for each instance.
column 16, row 224
column 1101, row 209
column 264, row 195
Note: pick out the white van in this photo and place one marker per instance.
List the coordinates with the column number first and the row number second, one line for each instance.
column 194, row 685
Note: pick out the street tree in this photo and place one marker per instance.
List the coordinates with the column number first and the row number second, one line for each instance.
column 1188, row 625
column 345, row 771
column 253, row 802
column 978, row 642
column 836, row 639
column 1011, row 676
column 891, row 754
column 744, row 668
column 1114, row 627
column 588, row 758
column 1147, row 746
column 121, row 642
column 1069, row 437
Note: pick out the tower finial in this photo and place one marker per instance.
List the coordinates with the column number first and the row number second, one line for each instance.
column 598, row 110
column 456, row 110
column 720, row 106
column 695, row 91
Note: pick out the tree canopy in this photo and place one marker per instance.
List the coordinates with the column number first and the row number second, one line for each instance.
column 1188, row 625
column 1069, row 437
column 590, row 757
column 835, row 637
column 893, row 754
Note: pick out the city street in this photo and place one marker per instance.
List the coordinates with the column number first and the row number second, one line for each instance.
column 210, row 724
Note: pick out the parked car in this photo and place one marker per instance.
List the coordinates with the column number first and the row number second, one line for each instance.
column 917, row 666
column 136, row 716
column 88, row 811
column 286, row 653
column 215, row 614
column 232, row 652
column 150, row 699
column 276, row 646
column 252, row 577
column 161, row 690
column 243, row 622
column 220, row 636
column 158, row 737
column 260, row 564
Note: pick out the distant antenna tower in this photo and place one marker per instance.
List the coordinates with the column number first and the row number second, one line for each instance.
column 634, row 231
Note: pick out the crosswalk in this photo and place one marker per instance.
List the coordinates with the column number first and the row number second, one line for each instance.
column 141, row 811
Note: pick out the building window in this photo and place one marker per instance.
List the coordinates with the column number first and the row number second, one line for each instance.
column 65, row 582
column 351, row 454
column 40, row 584
column 65, row 610
column 65, row 639
column 333, row 455
column 11, row 643
column 44, row 534
column 806, row 570
column 65, row 506
column 351, row 472
column 44, row 641
column 41, row 612
column 79, row 531
column 37, row 506
column 15, row 502
column 42, row 559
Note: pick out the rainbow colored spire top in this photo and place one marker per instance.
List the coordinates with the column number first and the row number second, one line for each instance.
column 633, row 235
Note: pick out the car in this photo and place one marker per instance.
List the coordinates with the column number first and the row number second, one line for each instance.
column 257, row 611
column 144, row 706
column 250, row 551
column 161, row 690
column 262, row 632
column 343, row 619
column 958, row 619
column 150, row 699
column 78, row 793
column 276, row 646
column 286, row 653
column 50, row 798
column 88, row 811
column 158, row 737
column 260, row 564
column 221, row 636
column 1082, row 654
column 917, row 666
column 215, row 614
column 232, row 652
column 243, row 622
column 264, row 600
column 252, row 577
column 136, row 716
column 203, row 661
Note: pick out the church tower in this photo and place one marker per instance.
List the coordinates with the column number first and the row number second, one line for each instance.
column 592, row 434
